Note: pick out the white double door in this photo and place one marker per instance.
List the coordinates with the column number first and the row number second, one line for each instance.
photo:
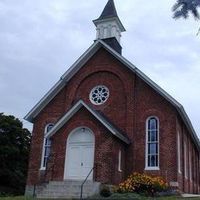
column 80, row 160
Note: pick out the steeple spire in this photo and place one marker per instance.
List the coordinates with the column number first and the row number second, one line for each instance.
column 108, row 24
column 109, row 11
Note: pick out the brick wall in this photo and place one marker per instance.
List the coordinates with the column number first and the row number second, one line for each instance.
column 130, row 103
column 106, row 148
column 191, row 183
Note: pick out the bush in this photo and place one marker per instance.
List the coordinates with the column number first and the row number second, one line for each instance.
column 14, row 153
column 105, row 191
column 142, row 183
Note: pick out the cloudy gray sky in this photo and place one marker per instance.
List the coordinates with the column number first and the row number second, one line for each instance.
column 40, row 40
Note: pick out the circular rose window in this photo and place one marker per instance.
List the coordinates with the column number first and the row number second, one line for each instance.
column 99, row 94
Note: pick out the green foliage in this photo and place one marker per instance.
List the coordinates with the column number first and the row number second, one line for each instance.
column 105, row 191
column 135, row 196
column 142, row 183
column 14, row 152
column 182, row 8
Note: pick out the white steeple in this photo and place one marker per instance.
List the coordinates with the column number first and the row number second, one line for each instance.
column 108, row 25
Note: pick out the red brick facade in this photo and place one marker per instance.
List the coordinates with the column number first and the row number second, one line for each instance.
column 130, row 103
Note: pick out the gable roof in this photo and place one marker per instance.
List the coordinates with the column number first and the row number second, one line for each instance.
column 97, row 115
column 83, row 59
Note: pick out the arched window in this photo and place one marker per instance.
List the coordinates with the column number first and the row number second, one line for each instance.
column 152, row 143
column 46, row 147
column 179, row 152
column 185, row 160
column 120, row 161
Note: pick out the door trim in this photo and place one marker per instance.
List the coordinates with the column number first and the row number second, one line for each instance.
column 67, row 151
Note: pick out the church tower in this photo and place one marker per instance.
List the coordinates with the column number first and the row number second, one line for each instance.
column 109, row 27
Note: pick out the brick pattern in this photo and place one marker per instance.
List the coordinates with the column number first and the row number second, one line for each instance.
column 191, row 183
column 130, row 103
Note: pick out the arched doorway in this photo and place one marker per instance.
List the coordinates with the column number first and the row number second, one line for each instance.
column 79, row 158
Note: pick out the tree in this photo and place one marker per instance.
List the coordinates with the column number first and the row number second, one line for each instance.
column 14, row 153
column 182, row 8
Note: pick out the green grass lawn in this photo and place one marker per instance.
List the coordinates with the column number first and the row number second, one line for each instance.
column 133, row 196
column 115, row 196
column 15, row 198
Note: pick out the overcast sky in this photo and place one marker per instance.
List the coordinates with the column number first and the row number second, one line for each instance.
column 41, row 39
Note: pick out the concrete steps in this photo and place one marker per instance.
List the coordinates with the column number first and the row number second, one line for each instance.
column 67, row 189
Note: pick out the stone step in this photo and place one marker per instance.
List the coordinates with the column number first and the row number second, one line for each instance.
column 69, row 186
column 67, row 189
column 65, row 192
column 60, row 195
column 70, row 182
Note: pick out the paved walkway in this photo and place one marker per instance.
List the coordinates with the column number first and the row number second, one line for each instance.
column 190, row 195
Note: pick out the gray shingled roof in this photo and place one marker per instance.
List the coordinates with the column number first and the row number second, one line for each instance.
column 109, row 11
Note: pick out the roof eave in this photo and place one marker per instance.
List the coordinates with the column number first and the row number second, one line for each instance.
column 157, row 88
column 175, row 103
column 82, row 60
column 45, row 100
column 98, row 21
column 73, row 110
column 189, row 126
column 69, row 73
column 61, row 83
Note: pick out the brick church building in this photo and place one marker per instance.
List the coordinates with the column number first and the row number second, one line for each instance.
column 106, row 117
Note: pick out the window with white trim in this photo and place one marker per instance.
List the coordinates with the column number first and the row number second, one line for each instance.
column 99, row 94
column 185, row 160
column 190, row 163
column 152, row 143
column 120, row 161
column 46, row 147
column 179, row 152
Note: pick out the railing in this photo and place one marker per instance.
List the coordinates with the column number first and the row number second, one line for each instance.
column 49, row 170
column 34, row 191
column 81, row 195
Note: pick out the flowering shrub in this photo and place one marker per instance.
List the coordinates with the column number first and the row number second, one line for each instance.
column 142, row 183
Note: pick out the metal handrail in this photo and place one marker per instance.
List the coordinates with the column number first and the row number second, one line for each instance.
column 81, row 195
column 50, row 169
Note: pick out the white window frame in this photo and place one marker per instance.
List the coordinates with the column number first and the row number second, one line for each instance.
column 179, row 152
column 185, row 161
column 146, row 146
column 120, row 161
column 100, row 94
column 190, row 163
column 42, row 167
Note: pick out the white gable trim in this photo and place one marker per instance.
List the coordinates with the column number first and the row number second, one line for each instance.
column 99, row 21
column 70, row 73
column 74, row 110
column 82, row 60
column 61, row 83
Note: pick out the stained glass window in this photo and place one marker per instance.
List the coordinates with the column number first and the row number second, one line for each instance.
column 99, row 94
